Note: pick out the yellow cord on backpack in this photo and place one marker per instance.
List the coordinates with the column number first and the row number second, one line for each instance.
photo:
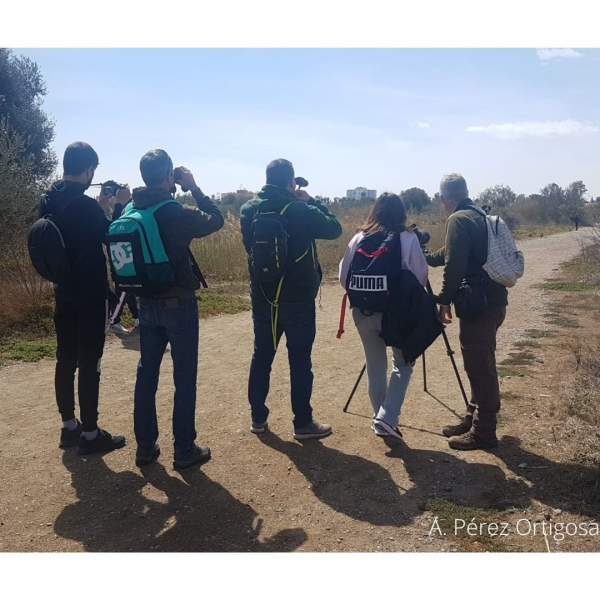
column 274, row 319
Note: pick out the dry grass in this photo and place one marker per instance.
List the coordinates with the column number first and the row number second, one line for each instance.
column 579, row 408
column 580, row 403
column 25, row 296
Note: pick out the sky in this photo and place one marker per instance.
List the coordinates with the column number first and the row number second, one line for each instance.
column 386, row 119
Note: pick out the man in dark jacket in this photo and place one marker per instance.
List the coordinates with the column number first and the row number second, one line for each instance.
column 81, row 311
column 463, row 255
column 171, row 317
column 287, row 306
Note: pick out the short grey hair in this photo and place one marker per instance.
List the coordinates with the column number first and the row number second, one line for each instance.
column 454, row 187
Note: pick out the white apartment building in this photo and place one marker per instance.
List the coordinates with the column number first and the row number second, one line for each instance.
column 361, row 192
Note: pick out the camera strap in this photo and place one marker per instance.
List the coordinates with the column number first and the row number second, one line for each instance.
column 342, row 316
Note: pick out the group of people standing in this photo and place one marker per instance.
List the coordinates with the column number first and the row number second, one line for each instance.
column 284, row 306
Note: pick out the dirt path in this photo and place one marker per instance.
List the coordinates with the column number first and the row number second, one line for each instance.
column 348, row 492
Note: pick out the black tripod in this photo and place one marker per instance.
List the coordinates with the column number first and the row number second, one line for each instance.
column 449, row 352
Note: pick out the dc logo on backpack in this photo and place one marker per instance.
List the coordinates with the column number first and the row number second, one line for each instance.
column 374, row 272
column 121, row 254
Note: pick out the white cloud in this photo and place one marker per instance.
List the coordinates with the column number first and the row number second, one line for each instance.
column 537, row 129
column 546, row 54
column 423, row 125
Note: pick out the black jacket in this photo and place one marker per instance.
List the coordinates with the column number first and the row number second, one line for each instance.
column 307, row 221
column 178, row 226
column 84, row 226
column 411, row 323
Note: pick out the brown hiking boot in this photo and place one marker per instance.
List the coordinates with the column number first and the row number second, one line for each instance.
column 469, row 441
column 313, row 430
column 453, row 430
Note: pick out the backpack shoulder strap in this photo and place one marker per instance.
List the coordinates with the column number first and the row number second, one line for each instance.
column 64, row 207
column 284, row 209
column 154, row 208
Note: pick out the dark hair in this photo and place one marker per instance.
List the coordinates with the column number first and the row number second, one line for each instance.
column 280, row 172
column 388, row 214
column 78, row 158
column 155, row 167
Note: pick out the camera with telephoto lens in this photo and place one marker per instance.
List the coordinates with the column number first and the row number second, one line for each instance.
column 423, row 236
column 301, row 182
column 110, row 188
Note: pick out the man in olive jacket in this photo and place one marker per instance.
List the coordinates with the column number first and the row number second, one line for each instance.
column 462, row 256
column 292, row 310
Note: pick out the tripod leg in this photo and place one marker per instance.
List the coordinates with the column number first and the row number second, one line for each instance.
column 355, row 386
column 424, row 374
column 450, row 353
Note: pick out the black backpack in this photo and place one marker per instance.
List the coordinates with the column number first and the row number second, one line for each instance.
column 374, row 272
column 47, row 249
column 269, row 251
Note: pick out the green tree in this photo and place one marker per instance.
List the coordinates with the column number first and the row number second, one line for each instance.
column 498, row 196
column 415, row 199
column 22, row 90
column 552, row 202
column 574, row 195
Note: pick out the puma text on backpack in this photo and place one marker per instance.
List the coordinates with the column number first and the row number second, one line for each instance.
column 138, row 259
column 374, row 272
column 505, row 264
column 47, row 249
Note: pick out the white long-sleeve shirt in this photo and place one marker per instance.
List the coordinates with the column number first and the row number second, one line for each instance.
column 412, row 257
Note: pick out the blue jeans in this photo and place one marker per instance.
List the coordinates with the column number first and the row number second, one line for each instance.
column 297, row 321
column 178, row 326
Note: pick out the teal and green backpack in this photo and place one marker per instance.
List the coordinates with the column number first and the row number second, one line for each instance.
column 138, row 259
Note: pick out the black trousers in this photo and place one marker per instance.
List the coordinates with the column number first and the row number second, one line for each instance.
column 80, row 333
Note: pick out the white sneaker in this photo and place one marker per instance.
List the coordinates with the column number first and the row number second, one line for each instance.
column 118, row 329
column 136, row 323
column 378, row 431
column 388, row 429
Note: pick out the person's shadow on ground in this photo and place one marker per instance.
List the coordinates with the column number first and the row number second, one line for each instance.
column 366, row 491
column 114, row 513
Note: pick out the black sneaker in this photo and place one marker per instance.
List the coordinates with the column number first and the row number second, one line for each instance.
column 103, row 442
column 70, row 437
column 197, row 455
column 146, row 455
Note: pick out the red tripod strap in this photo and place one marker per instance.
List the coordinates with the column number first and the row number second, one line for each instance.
column 342, row 316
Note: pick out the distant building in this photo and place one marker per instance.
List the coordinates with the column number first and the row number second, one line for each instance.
column 361, row 192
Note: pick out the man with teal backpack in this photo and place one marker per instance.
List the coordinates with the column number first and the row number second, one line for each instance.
column 149, row 248
column 279, row 228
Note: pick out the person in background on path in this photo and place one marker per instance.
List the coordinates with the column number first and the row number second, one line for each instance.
column 388, row 214
column 286, row 305
column 575, row 219
column 81, row 312
column 463, row 255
